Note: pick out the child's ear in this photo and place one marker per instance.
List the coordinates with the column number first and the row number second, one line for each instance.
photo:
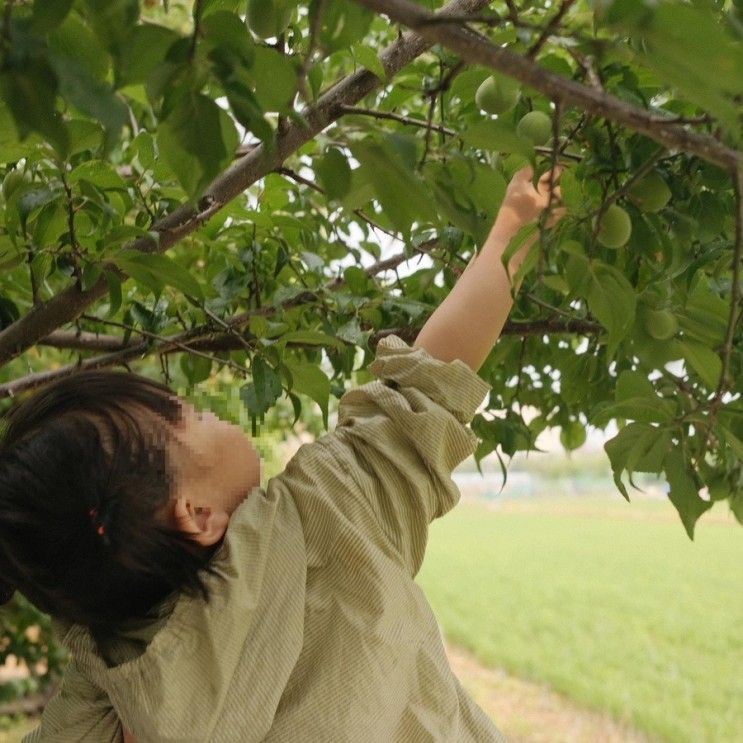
column 206, row 527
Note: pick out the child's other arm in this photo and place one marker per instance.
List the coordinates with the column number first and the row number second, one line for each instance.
column 469, row 321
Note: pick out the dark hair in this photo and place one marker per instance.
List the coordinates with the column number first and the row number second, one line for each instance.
column 81, row 443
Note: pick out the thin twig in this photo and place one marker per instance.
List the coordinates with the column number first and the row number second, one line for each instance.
column 410, row 120
column 202, row 306
column 549, row 29
column 170, row 341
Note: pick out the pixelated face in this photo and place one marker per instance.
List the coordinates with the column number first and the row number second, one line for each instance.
column 214, row 462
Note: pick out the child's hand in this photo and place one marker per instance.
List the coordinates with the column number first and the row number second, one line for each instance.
column 524, row 203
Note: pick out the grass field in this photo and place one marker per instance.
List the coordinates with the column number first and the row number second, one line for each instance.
column 607, row 602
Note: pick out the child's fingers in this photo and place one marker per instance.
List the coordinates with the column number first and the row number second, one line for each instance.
column 557, row 172
column 525, row 174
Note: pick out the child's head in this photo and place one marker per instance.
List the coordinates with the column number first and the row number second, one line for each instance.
column 92, row 468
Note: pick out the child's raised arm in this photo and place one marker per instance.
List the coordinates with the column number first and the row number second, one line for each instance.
column 468, row 322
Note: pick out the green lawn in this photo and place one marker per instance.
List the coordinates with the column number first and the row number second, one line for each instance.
column 622, row 615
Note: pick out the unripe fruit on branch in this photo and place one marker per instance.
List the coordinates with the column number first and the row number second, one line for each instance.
column 661, row 324
column 536, row 127
column 615, row 228
column 268, row 18
column 497, row 94
column 651, row 193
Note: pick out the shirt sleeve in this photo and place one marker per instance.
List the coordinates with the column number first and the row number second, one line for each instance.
column 396, row 443
column 79, row 712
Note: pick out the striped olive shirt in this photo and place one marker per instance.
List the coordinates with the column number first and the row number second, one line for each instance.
column 319, row 633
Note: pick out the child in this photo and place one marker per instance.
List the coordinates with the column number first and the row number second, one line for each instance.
column 305, row 623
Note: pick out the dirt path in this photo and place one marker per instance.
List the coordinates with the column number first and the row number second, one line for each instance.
column 530, row 713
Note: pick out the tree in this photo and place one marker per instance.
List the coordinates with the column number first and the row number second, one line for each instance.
column 176, row 186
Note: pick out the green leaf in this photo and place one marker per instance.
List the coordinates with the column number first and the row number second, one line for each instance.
column 498, row 136
column 33, row 199
column 90, row 274
column 705, row 314
column 263, row 392
column 612, row 302
column 642, row 409
column 638, row 447
column 226, row 35
column 368, row 56
column 125, row 232
column 212, row 6
column 732, row 440
column 82, row 77
column 334, row 173
column 247, row 110
column 361, row 190
column 99, row 173
column 453, row 191
column 403, row 195
column 683, row 44
column 11, row 147
column 636, row 399
column 572, row 193
column 48, row 14
column 528, row 264
column 573, row 435
column 684, row 493
column 145, row 49
column 144, row 147
column 114, row 293
column 77, row 43
column 309, row 337
column 112, row 20
column 30, row 95
column 274, row 79
column 343, row 23
column 51, row 222
column 703, row 360
column 198, row 141
column 311, row 381
column 632, row 384
column 357, row 280
column 517, row 241
column 352, row 333
column 164, row 268
column 84, row 135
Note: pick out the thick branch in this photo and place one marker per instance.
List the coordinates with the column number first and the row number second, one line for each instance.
column 203, row 338
column 71, row 303
column 228, row 342
column 477, row 49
